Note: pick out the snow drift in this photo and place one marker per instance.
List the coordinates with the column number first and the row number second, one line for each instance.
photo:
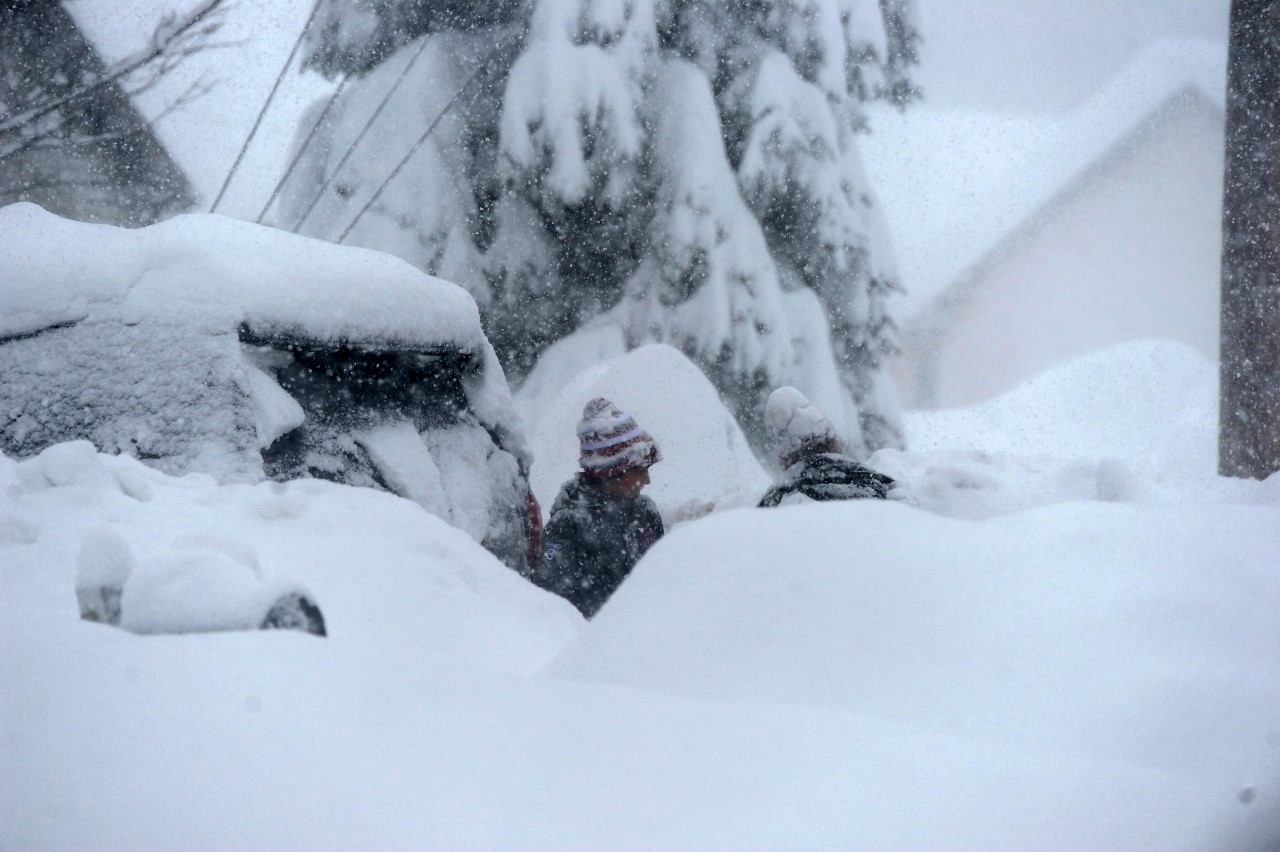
column 1136, row 422
column 706, row 460
column 1085, row 673
column 1129, row 632
column 196, row 556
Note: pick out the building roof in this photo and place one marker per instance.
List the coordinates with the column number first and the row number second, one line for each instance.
column 105, row 162
column 955, row 184
column 205, row 136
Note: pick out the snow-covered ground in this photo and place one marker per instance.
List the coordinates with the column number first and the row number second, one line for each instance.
column 1070, row 640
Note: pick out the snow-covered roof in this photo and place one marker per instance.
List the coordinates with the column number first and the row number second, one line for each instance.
column 214, row 273
column 205, row 136
column 954, row 183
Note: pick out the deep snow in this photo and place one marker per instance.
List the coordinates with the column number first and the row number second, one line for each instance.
column 706, row 462
column 1087, row 662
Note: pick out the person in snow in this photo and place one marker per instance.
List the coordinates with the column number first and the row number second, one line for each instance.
column 811, row 455
column 600, row 523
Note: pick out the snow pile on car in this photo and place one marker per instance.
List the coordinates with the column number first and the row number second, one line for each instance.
column 155, row 367
column 189, row 555
column 219, row 272
column 706, row 461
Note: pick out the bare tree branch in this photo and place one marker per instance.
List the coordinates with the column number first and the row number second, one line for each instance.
column 174, row 39
column 53, row 137
column 194, row 92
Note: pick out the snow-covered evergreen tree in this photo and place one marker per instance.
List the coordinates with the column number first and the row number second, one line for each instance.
column 685, row 169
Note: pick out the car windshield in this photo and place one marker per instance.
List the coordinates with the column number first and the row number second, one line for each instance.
column 346, row 388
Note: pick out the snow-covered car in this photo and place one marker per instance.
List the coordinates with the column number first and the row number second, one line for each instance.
column 209, row 345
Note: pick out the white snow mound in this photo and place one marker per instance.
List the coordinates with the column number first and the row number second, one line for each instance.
column 198, row 556
column 706, row 462
column 1147, row 401
column 1106, row 628
column 1135, row 422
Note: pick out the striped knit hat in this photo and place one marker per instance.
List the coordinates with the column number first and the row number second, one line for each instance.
column 611, row 441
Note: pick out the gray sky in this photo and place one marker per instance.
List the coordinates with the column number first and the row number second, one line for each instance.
column 1037, row 55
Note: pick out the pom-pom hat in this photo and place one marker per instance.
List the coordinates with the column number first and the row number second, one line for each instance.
column 611, row 441
column 799, row 427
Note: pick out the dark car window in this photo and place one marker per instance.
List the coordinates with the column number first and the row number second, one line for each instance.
column 345, row 388
column 348, row 383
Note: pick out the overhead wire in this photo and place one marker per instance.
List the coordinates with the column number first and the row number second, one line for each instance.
column 315, row 199
column 302, row 149
column 253, row 131
column 484, row 62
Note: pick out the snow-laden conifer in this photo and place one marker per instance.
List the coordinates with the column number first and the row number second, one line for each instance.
column 685, row 169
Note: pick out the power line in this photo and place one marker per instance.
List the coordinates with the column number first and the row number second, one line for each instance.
column 306, row 143
column 270, row 96
column 359, row 137
column 423, row 138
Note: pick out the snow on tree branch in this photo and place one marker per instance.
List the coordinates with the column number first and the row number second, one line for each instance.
column 684, row 170
column 571, row 111
column 711, row 285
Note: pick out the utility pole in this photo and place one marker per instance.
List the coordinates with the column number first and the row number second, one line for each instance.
column 1249, row 401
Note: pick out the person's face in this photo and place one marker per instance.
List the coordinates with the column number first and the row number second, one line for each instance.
column 629, row 484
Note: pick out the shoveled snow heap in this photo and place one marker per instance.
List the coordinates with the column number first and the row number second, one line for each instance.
column 1134, row 422
column 1085, row 674
column 706, row 461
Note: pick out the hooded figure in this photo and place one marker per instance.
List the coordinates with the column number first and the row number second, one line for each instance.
column 810, row 453
column 600, row 523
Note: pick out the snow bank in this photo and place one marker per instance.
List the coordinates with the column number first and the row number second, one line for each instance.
column 1134, row 422
column 1147, row 635
column 195, row 556
column 705, row 458
column 1089, row 674
column 1153, row 402
column 274, row 739
column 1118, row 603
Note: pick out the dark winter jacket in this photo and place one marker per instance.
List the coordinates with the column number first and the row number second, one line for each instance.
column 592, row 541
column 828, row 476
